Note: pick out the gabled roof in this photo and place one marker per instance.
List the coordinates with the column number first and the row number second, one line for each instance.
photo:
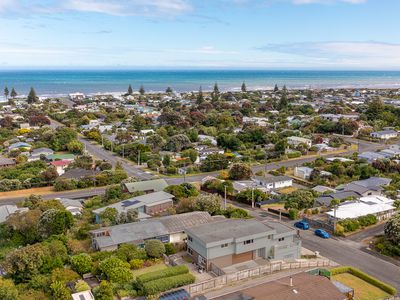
column 79, row 173
column 4, row 161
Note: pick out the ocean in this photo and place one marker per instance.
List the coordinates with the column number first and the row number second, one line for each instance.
column 63, row 82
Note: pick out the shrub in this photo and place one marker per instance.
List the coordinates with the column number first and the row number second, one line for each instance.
column 136, row 263
column 367, row 220
column 81, row 263
column 172, row 271
column 165, row 284
column 81, row 286
column 169, row 249
column 293, row 214
column 154, row 248
column 350, row 225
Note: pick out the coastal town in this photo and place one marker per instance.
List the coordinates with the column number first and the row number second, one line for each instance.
column 251, row 194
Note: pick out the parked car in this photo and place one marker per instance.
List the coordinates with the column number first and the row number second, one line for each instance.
column 302, row 225
column 322, row 233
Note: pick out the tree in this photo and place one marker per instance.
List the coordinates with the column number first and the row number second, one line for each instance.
column 283, row 102
column 25, row 262
column 82, row 263
column 243, row 88
column 276, row 89
column 6, row 122
column 169, row 90
column 228, row 141
column 300, row 199
column 6, row 92
column 39, row 120
column 240, row 172
column 116, row 270
column 25, row 224
column 248, row 195
column 192, row 154
column 13, row 93
column 104, row 291
column 392, row 229
column 214, row 162
column 60, row 291
column 8, row 291
column 109, row 215
column 75, row 147
column 178, row 142
column 64, row 275
column 200, row 97
column 32, row 97
column 55, row 221
column 156, row 142
column 131, row 215
column 81, row 286
column 142, row 90
column 210, row 203
column 130, row 90
column 138, row 122
column 154, row 248
column 216, row 89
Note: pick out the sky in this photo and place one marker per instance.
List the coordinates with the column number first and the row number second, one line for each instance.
column 237, row 34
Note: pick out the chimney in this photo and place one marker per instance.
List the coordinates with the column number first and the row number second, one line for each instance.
column 291, row 281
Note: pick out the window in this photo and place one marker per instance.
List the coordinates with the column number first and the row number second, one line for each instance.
column 224, row 245
column 248, row 242
column 190, row 251
column 281, row 239
column 190, row 238
column 270, row 236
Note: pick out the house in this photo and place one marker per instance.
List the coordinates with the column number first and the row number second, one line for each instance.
column 337, row 117
column 148, row 186
column 7, row 210
column 355, row 190
column 60, row 165
column 372, row 156
column 379, row 206
column 146, row 205
column 210, row 139
column 242, row 185
column 85, row 295
column 36, row 154
column 79, row 173
column 6, row 162
column 274, row 182
column 74, row 206
column 168, row 229
column 303, row 172
column 296, row 140
column 19, row 146
column 300, row 286
column 384, row 134
column 232, row 241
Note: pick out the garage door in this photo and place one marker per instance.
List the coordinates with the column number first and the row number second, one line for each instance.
column 243, row 257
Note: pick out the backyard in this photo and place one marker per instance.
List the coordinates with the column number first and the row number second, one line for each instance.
column 362, row 289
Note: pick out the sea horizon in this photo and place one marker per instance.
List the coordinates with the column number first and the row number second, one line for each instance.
column 61, row 82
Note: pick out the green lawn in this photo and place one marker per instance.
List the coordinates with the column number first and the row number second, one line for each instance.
column 362, row 289
column 148, row 269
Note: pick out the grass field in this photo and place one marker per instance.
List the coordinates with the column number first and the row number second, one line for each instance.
column 157, row 267
column 362, row 289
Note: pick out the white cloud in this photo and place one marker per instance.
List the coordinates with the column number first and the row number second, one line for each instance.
column 130, row 7
column 362, row 54
column 300, row 2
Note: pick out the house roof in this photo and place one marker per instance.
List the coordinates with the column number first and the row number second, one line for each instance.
column 305, row 287
column 78, row 173
column 139, row 201
column 229, row 229
column 139, row 231
column 41, row 150
column 4, row 161
column 60, row 163
column 156, row 185
column 6, row 210
column 365, row 205
column 19, row 145
column 273, row 179
column 60, row 157
column 70, row 202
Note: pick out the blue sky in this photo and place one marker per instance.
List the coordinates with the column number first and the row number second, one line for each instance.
column 262, row 34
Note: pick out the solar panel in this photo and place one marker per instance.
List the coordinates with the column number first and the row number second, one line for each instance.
column 129, row 203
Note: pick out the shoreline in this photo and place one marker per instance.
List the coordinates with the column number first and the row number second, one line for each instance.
column 223, row 90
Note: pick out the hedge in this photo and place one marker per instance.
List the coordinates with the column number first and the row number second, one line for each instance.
column 172, row 271
column 165, row 284
column 371, row 280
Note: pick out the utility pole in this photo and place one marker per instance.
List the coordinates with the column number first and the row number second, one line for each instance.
column 102, row 141
column 225, row 198
column 138, row 160
column 252, row 197
column 123, row 150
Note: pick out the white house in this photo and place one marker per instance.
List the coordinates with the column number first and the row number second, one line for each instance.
column 379, row 206
column 296, row 140
column 303, row 172
column 274, row 182
column 384, row 134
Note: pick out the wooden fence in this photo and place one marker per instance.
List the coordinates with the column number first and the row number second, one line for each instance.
column 226, row 279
